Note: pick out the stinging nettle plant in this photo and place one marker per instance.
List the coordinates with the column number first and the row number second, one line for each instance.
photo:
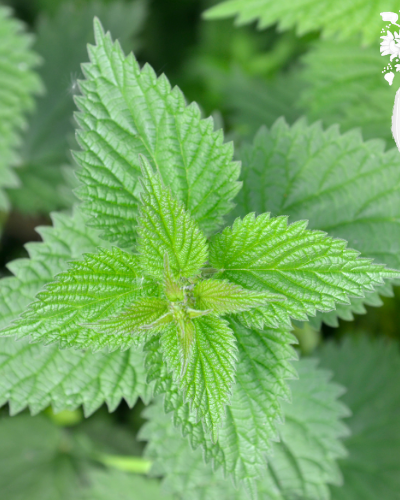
column 207, row 308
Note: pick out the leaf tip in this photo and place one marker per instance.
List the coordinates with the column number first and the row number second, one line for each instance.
column 98, row 30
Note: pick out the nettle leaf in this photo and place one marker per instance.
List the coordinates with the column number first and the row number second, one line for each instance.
column 167, row 229
column 341, row 184
column 142, row 313
column 339, row 78
column 342, row 20
column 65, row 241
column 370, row 371
column 244, row 439
column 210, row 370
column 18, row 84
column 36, row 376
column 312, row 270
column 126, row 111
column 45, row 159
column 301, row 465
column 223, row 297
column 91, row 290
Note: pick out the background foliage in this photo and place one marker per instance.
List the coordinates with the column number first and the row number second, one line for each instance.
column 247, row 64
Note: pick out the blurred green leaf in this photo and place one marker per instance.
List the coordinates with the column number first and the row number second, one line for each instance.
column 343, row 84
column 62, row 41
column 370, row 371
column 341, row 19
column 18, row 84
column 42, row 461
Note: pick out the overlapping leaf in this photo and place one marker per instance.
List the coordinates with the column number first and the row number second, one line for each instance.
column 45, row 147
column 310, row 269
column 341, row 184
column 18, row 84
column 343, row 84
column 210, row 371
column 167, row 229
column 250, row 424
column 222, row 297
column 35, row 375
column 125, row 111
column 370, row 371
column 342, row 19
column 302, row 465
column 91, row 290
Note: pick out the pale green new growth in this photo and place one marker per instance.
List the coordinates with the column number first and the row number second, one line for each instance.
column 133, row 320
column 343, row 185
column 301, row 465
column 18, row 83
column 312, row 270
column 341, row 20
column 165, row 228
column 222, row 297
column 126, row 111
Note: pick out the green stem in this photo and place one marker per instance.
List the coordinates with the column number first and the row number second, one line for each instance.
column 126, row 463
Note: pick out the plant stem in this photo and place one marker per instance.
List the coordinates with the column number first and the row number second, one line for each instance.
column 126, row 463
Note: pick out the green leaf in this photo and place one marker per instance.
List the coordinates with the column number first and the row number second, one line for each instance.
column 250, row 425
column 133, row 320
column 210, row 370
column 301, row 465
column 167, row 229
column 65, row 241
column 42, row 461
column 370, row 371
column 312, row 270
column 342, row 20
column 343, row 84
column 341, row 184
column 126, row 111
column 91, row 290
column 222, row 297
column 35, row 375
column 45, row 150
column 18, row 84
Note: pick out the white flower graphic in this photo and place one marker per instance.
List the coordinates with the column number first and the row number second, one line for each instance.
column 389, row 77
column 391, row 45
column 390, row 16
